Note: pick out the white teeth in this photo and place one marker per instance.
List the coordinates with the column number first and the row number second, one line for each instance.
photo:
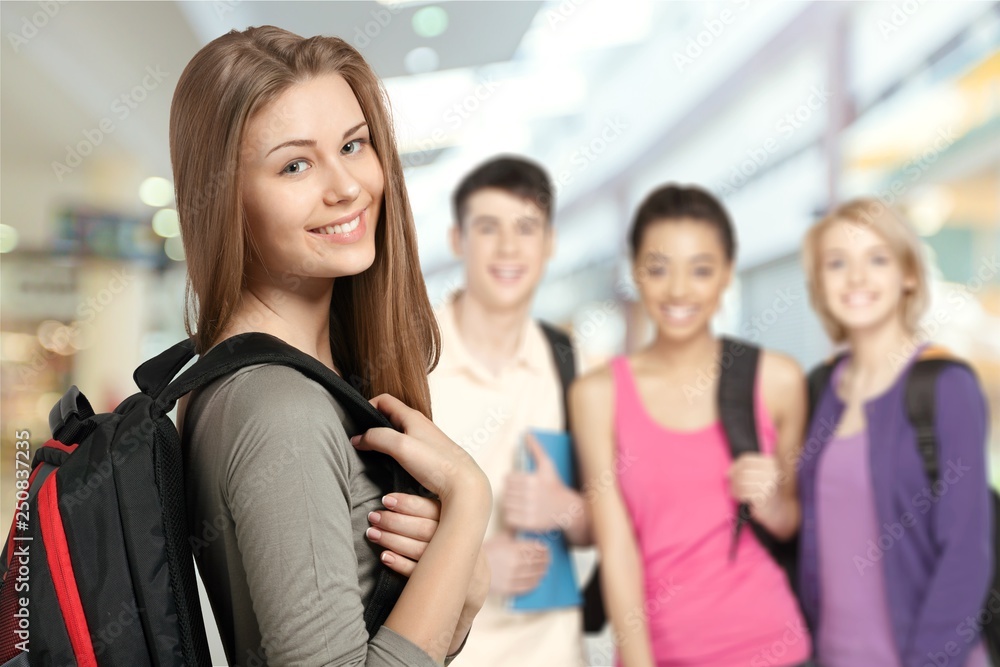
column 678, row 312
column 345, row 228
column 859, row 299
column 508, row 274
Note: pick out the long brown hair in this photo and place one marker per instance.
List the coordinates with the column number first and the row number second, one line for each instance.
column 383, row 333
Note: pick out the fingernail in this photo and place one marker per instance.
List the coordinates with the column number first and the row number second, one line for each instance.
column 374, row 517
column 355, row 440
column 389, row 501
column 388, row 558
column 373, row 533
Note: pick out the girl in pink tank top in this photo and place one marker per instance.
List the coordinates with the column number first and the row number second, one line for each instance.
column 663, row 485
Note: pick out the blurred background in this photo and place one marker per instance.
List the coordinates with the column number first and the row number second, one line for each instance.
column 780, row 108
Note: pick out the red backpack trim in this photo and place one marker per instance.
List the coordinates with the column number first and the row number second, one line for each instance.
column 63, row 579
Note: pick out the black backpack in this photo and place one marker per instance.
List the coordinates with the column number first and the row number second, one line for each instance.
column 98, row 569
column 921, row 383
column 736, row 413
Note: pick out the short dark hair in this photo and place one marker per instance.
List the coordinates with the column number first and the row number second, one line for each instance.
column 516, row 175
column 676, row 202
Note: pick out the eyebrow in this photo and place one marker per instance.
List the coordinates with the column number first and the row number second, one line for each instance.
column 700, row 257
column 312, row 142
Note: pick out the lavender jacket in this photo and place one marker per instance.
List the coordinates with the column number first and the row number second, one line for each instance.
column 936, row 552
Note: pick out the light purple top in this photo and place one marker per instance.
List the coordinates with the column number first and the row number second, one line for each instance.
column 855, row 628
column 854, row 623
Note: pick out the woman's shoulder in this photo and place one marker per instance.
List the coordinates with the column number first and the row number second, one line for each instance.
column 272, row 398
column 597, row 381
column 780, row 371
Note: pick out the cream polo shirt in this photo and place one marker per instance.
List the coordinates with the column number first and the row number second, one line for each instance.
column 488, row 415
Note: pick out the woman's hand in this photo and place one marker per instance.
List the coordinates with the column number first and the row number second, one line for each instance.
column 406, row 527
column 425, row 452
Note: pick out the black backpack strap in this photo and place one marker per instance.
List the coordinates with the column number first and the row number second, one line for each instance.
column 921, row 405
column 243, row 350
column 255, row 348
column 819, row 380
column 562, row 353
column 735, row 395
column 594, row 614
column 735, row 400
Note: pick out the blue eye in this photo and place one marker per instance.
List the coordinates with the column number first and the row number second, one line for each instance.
column 289, row 167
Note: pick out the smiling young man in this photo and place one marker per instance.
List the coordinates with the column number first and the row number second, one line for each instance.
column 496, row 379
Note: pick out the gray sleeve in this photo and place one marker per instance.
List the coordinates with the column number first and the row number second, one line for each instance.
column 287, row 486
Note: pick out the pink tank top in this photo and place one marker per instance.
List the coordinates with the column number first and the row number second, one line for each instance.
column 702, row 608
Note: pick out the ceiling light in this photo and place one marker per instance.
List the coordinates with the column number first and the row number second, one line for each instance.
column 166, row 223
column 156, row 191
column 430, row 21
column 421, row 60
column 174, row 248
column 8, row 238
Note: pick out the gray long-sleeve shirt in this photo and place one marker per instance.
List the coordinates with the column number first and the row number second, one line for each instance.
column 277, row 503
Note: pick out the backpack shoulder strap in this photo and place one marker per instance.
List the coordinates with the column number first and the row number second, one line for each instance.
column 737, row 379
column 243, row 350
column 562, row 353
column 155, row 378
column 819, row 380
column 921, row 386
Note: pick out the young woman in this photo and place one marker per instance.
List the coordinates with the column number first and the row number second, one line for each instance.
column 658, row 470
column 296, row 224
column 890, row 574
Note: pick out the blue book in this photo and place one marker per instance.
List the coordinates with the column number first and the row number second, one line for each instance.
column 558, row 588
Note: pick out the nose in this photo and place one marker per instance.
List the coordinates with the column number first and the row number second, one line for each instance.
column 855, row 273
column 677, row 285
column 341, row 185
column 508, row 241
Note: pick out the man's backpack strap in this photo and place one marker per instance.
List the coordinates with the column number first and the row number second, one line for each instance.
column 562, row 353
column 594, row 614
column 735, row 400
